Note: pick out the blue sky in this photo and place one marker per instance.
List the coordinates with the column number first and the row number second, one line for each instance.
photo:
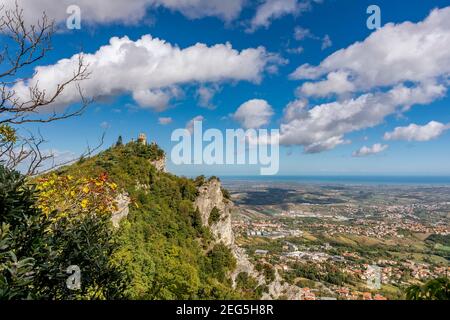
column 343, row 22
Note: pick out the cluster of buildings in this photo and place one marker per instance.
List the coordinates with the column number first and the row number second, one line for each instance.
column 415, row 226
column 264, row 228
column 423, row 270
column 345, row 293
column 393, row 272
column 368, row 228
column 377, row 222
column 255, row 227
column 307, row 294
column 381, row 229
column 387, row 271
column 342, row 293
column 312, row 256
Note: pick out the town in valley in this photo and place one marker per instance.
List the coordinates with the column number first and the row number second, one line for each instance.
column 330, row 241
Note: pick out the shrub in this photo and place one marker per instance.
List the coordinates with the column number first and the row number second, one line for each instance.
column 40, row 239
column 214, row 216
column 435, row 289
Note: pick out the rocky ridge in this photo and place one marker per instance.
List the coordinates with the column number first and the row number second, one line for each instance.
column 210, row 196
column 160, row 164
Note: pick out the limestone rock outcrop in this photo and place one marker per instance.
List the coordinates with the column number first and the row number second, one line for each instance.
column 243, row 264
column 278, row 288
column 123, row 200
column 160, row 164
column 210, row 196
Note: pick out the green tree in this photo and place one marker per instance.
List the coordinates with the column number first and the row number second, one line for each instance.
column 436, row 289
column 119, row 142
column 249, row 287
column 214, row 216
column 226, row 194
column 89, row 243
column 220, row 261
column 36, row 248
column 23, row 238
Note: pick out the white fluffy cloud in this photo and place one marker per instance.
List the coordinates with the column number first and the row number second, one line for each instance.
column 253, row 114
column 270, row 10
column 156, row 99
column 164, row 120
column 150, row 69
column 368, row 151
column 336, row 82
column 323, row 127
column 205, row 95
column 227, row 10
column 301, row 33
column 396, row 53
column 414, row 132
column 294, row 110
column 394, row 68
column 128, row 12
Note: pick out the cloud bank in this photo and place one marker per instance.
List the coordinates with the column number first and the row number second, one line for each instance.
column 270, row 10
column 368, row 151
column 152, row 70
column 396, row 53
column 414, row 132
column 253, row 114
column 396, row 67
column 127, row 12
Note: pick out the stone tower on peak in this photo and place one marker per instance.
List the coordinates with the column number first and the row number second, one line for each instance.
column 142, row 139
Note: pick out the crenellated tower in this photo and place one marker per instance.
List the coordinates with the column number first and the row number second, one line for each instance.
column 142, row 139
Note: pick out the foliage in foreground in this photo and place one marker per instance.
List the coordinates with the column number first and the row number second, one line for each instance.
column 36, row 248
column 435, row 289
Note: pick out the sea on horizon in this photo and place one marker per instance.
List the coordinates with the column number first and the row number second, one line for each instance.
column 345, row 179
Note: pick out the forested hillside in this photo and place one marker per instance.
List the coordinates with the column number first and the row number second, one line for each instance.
column 160, row 251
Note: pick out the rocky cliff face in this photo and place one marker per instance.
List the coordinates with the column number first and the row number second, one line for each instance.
column 123, row 201
column 210, row 197
column 160, row 164
column 243, row 264
column 278, row 288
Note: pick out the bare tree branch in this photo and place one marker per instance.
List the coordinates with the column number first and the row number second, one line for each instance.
column 88, row 153
column 25, row 45
column 32, row 42
column 26, row 152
